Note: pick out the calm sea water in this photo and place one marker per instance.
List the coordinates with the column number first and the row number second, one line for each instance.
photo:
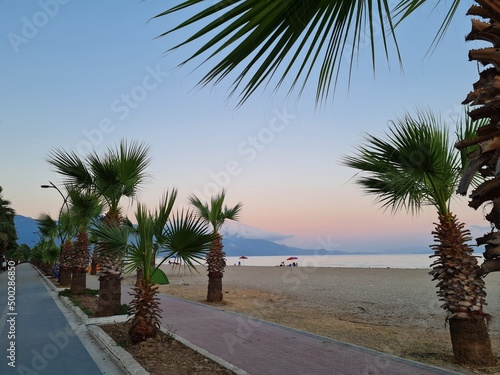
column 356, row 261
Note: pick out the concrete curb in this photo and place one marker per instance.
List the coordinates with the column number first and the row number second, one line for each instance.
column 121, row 357
column 117, row 353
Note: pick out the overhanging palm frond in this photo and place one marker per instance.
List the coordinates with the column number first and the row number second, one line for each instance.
column 406, row 8
column 260, row 39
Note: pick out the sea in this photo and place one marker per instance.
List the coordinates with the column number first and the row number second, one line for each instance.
column 402, row 261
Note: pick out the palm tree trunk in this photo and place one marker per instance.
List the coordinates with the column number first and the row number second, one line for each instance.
column 65, row 262
column 216, row 263
column 110, row 274
column 462, row 290
column 471, row 342
column 64, row 277
column 214, row 293
column 78, row 282
column 146, row 309
column 80, row 260
column 109, row 302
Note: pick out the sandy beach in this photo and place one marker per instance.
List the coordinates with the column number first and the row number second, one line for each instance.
column 391, row 310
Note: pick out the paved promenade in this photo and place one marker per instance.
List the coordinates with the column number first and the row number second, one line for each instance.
column 263, row 348
column 48, row 339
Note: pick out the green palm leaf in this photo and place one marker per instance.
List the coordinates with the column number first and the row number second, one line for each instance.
column 414, row 165
column 187, row 238
column 260, row 39
column 216, row 213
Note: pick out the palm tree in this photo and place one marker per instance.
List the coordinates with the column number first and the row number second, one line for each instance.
column 50, row 230
column 8, row 234
column 119, row 173
column 416, row 165
column 216, row 215
column 182, row 236
column 85, row 206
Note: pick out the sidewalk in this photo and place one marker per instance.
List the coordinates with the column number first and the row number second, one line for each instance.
column 48, row 339
column 262, row 348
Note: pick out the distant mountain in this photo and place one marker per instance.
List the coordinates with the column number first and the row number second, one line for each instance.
column 237, row 246
column 26, row 230
column 239, row 239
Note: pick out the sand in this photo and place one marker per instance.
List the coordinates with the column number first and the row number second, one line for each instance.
column 393, row 310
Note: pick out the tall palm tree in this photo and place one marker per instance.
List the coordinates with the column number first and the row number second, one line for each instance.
column 416, row 165
column 8, row 234
column 258, row 40
column 215, row 214
column 84, row 207
column 119, row 173
column 180, row 236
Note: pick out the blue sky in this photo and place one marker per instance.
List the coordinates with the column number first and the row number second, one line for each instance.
column 84, row 75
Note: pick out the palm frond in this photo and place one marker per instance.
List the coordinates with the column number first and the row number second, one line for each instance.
column 187, row 238
column 415, row 164
column 258, row 40
column 114, row 236
column 216, row 213
column 406, row 8
column 69, row 165
column 46, row 225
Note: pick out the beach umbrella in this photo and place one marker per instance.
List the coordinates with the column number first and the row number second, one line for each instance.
column 243, row 257
column 292, row 258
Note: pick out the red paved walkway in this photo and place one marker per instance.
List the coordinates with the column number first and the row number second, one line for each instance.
column 262, row 348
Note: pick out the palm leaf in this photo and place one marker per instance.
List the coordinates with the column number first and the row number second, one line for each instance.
column 186, row 238
column 414, row 165
column 260, row 39
column 69, row 165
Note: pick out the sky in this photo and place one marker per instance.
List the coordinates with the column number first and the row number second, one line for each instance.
column 83, row 75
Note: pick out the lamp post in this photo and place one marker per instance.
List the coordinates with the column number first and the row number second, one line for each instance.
column 65, row 203
column 65, row 198
column 64, row 274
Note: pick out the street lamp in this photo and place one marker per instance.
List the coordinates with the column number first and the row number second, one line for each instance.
column 52, row 186
column 65, row 202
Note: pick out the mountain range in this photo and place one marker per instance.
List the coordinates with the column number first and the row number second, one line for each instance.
column 238, row 240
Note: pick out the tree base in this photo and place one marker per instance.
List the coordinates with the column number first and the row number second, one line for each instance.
column 471, row 342
column 214, row 293
column 78, row 282
column 65, row 278
column 109, row 302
